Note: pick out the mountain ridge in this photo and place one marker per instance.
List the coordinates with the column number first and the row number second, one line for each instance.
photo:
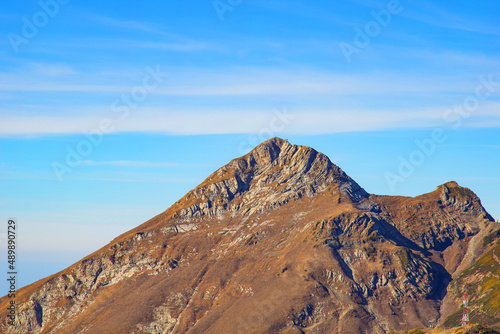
column 275, row 153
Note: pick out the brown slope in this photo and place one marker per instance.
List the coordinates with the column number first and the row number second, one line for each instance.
column 280, row 239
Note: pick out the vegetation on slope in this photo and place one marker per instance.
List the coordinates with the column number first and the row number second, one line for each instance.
column 482, row 282
column 470, row 329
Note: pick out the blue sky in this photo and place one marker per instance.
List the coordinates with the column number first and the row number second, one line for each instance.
column 112, row 110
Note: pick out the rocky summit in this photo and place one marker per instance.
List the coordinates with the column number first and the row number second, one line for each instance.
column 280, row 240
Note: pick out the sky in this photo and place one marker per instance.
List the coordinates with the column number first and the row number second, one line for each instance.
column 110, row 111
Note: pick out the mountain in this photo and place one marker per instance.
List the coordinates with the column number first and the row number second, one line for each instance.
column 280, row 240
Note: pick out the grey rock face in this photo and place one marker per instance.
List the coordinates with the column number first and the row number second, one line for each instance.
column 271, row 175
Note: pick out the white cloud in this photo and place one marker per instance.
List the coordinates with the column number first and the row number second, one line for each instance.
column 52, row 70
column 218, row 121
column 129, row 163
column 173, row 46
column 441, row 17
column 126, row 24
column 182, row 45
column 251, row 81
column 323, row 102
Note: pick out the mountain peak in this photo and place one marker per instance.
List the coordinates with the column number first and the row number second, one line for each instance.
column 273, row 142
column 272, row 174
column 451, row 184
column 269, row 150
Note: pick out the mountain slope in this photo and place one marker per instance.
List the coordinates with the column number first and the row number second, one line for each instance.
column 279, row 240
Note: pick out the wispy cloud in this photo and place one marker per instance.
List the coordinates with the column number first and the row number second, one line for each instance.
column 447, row 19
column 172, row 46
column 312, row 120
column 253, row 81
column 157, row 36
column 114, row 176
column 127, row 24
column 130, row 163
column 25, row 175
column 133, row 45
column 53, row 69
column 131, row 177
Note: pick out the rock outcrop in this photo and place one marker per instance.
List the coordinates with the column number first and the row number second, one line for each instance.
column 271, row 175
